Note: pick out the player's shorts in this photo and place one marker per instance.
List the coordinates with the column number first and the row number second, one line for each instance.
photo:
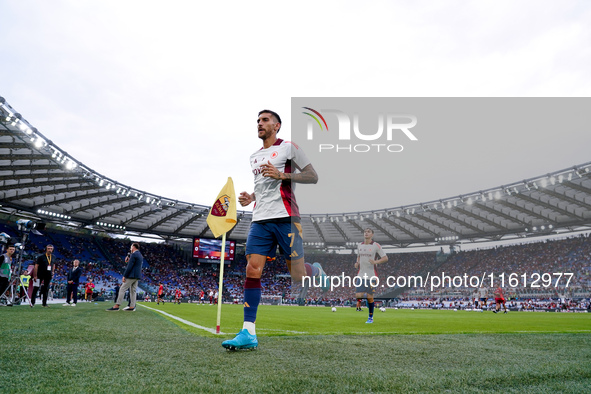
column 483, row 300
column 368, row 290
column 500, row 300
column 366, row 287
column 264, row 237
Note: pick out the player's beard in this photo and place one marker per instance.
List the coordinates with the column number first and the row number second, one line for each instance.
column 265, row 135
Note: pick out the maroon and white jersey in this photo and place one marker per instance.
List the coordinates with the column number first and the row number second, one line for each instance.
column 365, row 253
column 274, row 198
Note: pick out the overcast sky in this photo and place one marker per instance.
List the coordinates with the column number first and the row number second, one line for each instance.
column 163, row 96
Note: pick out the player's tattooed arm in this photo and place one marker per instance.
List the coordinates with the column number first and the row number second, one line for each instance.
column 307, row 175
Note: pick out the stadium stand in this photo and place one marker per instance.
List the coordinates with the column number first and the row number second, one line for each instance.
column 102, row 259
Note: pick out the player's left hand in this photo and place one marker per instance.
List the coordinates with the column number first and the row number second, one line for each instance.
column 270, row 171
column 372, row 262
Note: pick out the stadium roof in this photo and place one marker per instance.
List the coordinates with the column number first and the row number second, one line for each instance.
column 40, row 180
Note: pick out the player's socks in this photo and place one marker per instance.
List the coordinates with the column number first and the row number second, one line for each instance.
column 252, row 298
column 311, row 270
column 322, row 277
column 371, row 305
column 250, row 326
column 300, row 290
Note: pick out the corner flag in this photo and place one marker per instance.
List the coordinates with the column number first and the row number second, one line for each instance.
column 222, row 215
column 222, row 218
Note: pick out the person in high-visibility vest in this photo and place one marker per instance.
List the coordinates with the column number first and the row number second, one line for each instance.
column 25, row 278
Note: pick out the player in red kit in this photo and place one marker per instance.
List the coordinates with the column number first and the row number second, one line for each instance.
column 499, row 299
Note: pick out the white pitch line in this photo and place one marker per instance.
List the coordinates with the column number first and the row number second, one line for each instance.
column 211, row 330
column 279, row 330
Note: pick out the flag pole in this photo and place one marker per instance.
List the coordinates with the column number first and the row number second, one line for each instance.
column 221, row 285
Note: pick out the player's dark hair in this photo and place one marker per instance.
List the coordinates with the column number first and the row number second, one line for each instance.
column 275, row 115
column 48, row 245
column 136, row 245
column 369, row 230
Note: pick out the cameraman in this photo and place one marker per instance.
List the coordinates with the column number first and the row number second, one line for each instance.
column 5, row 269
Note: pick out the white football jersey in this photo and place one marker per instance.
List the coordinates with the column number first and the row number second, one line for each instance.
column 275, row 199
column 365, row 253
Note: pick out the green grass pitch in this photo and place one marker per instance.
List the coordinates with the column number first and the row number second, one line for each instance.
column 301, row 349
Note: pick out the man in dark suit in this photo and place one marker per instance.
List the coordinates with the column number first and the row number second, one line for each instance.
column 131, row 277
column 73, row 281
column 44, row 267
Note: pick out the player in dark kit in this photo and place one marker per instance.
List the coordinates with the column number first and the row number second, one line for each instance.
column 275, row 220
column 160, row 294
column 499, row 299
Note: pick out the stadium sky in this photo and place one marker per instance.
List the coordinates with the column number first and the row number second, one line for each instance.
column 163, row 96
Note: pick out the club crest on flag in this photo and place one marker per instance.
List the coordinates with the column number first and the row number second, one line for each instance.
column 221, row 206
column 222, row 215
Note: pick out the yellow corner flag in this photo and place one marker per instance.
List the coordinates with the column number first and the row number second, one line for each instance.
column 222, row 218
column 222, row 215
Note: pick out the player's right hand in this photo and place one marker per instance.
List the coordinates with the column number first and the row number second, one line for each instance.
column 244, row 199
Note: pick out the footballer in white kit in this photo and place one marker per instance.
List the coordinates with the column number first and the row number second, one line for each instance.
column 367, row 251
column 277, row 195
column 277, row 166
